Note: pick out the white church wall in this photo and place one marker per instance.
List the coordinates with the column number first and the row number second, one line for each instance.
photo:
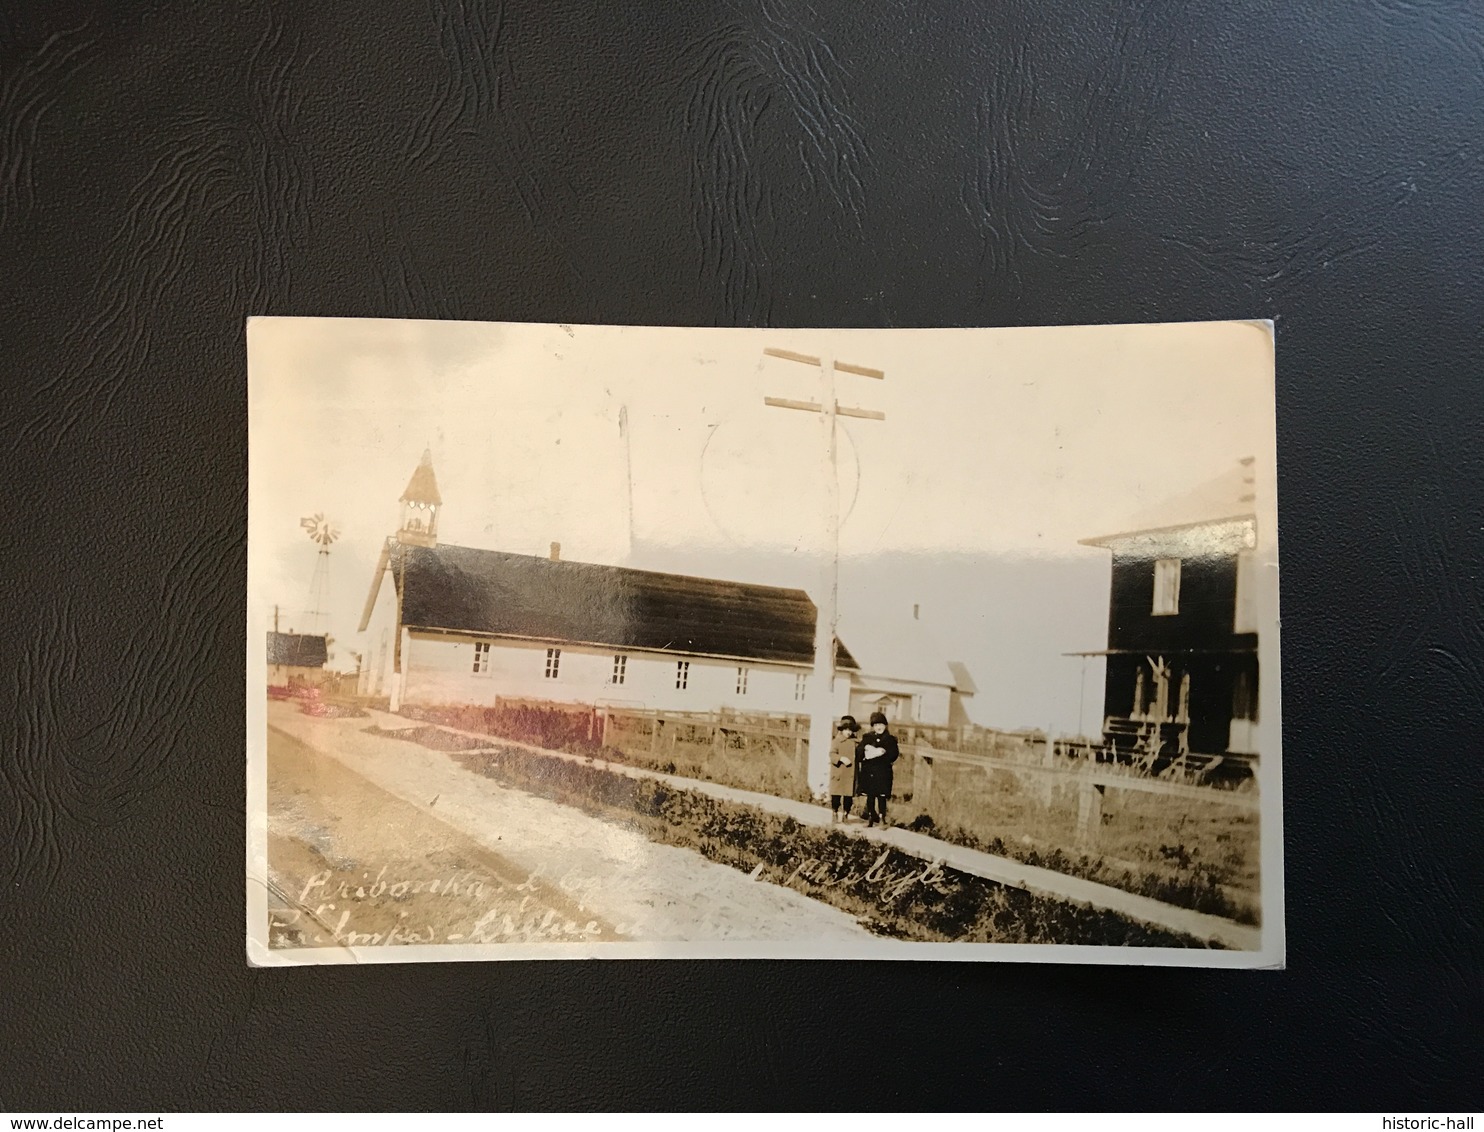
column 441, row 669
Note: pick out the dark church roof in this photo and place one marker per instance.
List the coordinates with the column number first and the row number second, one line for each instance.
column 517, row 595
column 297, row 650
column 423, row 486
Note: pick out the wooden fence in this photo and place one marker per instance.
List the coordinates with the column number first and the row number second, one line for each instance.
column 1053, row 776
column 765, row 753
column 719, row 745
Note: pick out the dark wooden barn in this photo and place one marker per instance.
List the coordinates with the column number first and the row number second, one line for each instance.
column 1182, row 674
column 296, row 658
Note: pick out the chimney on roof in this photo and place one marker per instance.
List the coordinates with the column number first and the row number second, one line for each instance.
column 556, row 552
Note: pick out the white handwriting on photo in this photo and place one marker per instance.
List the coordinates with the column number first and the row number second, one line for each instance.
column 322, row 903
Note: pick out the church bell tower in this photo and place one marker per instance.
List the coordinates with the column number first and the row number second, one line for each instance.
column 420, row 504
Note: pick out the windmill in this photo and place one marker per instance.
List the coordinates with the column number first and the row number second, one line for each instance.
column 323, row 532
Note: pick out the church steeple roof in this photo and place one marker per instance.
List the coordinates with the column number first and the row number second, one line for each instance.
column 423, row 486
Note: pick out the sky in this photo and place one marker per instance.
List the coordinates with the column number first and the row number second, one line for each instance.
column 652, row 447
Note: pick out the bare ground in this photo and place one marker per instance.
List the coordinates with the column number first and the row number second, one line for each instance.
column 352, row 864
column 387, row 803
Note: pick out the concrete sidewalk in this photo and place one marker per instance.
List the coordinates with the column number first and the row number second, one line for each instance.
column 1001, row 870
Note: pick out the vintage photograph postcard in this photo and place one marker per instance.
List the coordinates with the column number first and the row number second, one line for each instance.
column 633, row 642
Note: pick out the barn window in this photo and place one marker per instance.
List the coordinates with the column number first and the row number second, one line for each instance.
column 482, row 656
column 741, row 681
column 1166, row 586
column 620, row 668
column 801, row 686
column 682, row 674
column 553, row 663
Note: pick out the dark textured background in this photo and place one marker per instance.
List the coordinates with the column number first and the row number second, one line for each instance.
column 168, row 168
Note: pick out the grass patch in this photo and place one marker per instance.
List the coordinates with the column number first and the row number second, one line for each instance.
column 1193, row 886
column 1196, row 854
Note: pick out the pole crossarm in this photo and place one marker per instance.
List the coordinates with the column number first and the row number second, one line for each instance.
column 791, row 356
column 811, row 360
column 786, row 403
column 816, row 407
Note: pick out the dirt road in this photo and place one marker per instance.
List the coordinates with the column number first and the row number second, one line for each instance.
column 578, row 868
column 351, row 864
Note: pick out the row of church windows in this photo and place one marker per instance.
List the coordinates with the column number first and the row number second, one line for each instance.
column 620, row 672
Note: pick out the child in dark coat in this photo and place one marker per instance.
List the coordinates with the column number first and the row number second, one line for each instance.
column 877, row 751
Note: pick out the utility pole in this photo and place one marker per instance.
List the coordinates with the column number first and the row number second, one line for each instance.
column 1082, row 701
column 395, row 704
column 821, row 693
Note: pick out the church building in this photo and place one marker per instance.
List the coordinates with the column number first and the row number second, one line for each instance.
column 452, row 624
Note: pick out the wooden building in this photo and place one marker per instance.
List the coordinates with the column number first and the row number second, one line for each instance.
column 1182, row 673
column 296, row 659
column 453, row 624
column 903, row 675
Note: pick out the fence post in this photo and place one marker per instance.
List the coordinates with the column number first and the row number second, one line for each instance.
column 1089, row 811
column 1046, row 783
column 654, row 734
column 922, row 782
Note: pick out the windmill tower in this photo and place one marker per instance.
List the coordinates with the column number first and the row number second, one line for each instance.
column 323, row 532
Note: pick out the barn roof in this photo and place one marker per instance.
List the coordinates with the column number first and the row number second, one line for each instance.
column 516, row 595
column 298, row 650
column 1224, row 499
column 1231, row 493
